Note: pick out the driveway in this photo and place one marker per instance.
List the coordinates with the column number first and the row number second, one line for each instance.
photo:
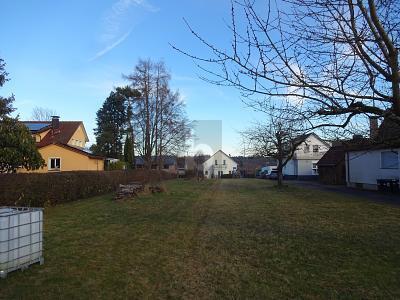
column 375, row 196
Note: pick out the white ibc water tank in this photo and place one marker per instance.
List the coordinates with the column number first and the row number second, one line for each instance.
column 21, row 236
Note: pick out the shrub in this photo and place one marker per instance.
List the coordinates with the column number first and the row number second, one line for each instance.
column 119, row 165
column 38, row 190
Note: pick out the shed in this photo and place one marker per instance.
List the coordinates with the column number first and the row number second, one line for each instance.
column 332, row 166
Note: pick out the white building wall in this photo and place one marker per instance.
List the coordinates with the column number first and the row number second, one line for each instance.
column 211, row 169
column 364, row 168
column 290, row 168
column 304, row 157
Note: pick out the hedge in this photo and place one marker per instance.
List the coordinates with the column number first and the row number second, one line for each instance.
column 39, row 190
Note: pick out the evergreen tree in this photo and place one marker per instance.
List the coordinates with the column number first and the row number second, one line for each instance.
column 111, row 123
column 114, row 125
column 129, row 154
column 17, row 147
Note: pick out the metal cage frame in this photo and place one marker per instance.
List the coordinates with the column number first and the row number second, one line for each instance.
column 35, row 228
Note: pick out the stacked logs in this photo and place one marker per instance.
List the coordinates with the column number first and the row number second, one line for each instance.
column 131, row 190
column 127, row 191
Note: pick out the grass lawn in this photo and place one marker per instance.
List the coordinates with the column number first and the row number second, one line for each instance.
column 217, row 239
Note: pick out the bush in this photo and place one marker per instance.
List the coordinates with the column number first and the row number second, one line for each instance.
column 38, row 190
column 119, row 165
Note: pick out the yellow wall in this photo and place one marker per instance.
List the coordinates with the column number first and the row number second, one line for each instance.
column 79, row 135
column 70, row 160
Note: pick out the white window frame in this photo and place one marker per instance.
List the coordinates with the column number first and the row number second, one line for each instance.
column 315, row 149
column 314, row 169
column 49, row 165
column 216, row 162
column 396, row 165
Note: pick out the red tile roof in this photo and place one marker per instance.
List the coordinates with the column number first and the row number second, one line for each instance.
column 61, row 136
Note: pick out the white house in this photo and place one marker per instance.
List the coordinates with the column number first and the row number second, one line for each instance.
column 303, row 164
column 219, row 164
column 365, row 166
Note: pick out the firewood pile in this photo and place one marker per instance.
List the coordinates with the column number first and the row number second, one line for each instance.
column 127, row 191
column 131, row 190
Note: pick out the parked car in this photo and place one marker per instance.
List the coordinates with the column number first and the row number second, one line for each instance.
column 273, row 174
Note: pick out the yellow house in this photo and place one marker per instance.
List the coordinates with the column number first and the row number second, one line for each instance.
column 62, row 144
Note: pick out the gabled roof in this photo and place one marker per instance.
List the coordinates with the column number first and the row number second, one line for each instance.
column 304, row 137
column 62, row 134
column 332, row 157
column 223, row 154
column 388, row 137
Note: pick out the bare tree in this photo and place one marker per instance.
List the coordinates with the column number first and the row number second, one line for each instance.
column 42, row 114
column 278, row 137
column 158, row 114
column 336, row 59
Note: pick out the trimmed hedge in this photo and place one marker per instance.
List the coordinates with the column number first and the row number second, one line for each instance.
column 39, row 190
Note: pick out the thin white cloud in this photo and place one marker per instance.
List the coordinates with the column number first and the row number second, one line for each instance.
column 110, row 47
column 117, row 20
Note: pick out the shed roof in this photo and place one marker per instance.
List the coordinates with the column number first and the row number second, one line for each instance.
column 332, row 157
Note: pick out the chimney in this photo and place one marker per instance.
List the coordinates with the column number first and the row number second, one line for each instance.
column 55, row 122
column 373, row 127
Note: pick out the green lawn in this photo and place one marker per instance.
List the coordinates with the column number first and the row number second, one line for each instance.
column 217, row 239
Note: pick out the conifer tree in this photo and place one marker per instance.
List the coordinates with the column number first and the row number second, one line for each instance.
column 17, row 146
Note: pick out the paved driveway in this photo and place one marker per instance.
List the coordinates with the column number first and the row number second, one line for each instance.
column 368, row 195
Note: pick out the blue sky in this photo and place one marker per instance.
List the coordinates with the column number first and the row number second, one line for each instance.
column 68, row 56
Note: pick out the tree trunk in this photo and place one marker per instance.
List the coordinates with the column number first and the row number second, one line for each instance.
column 280, row 173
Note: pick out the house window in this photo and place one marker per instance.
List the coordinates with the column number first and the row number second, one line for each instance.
column 307, row 149
column 315, row 169
column 54, row 164
column 390, row 160
column 315, row 148
column 206, row 172
column 224, row 162
column 216, row 162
